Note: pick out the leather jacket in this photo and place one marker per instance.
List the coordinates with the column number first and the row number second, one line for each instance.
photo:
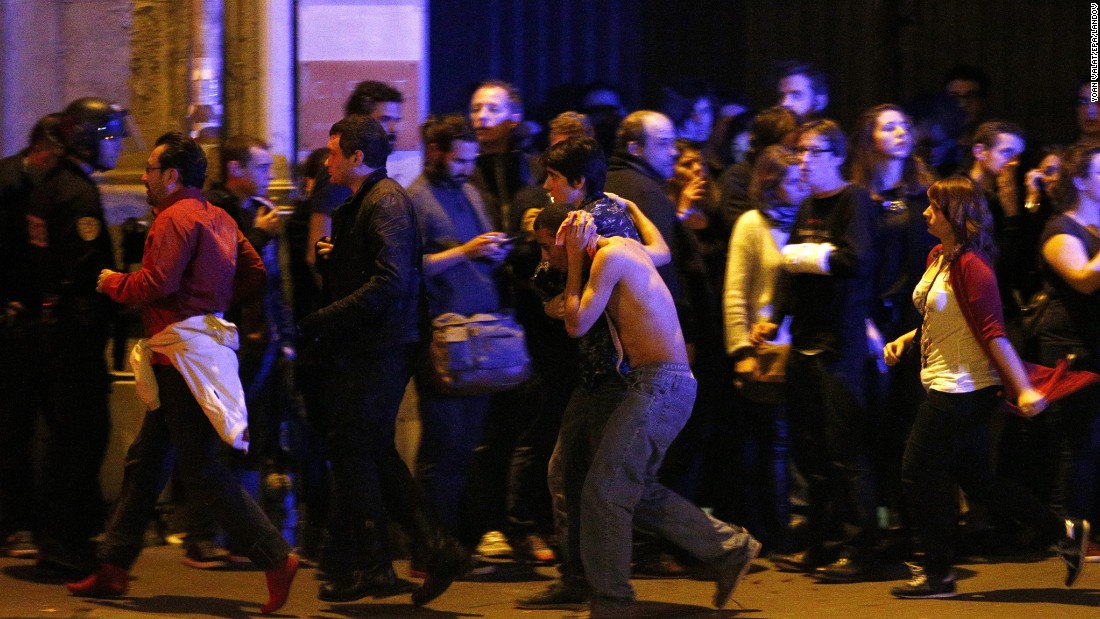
column 372, row 277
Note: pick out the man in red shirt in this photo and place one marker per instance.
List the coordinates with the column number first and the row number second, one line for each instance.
column 196, row 262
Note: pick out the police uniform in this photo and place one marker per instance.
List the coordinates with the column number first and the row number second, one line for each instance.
column 69, row 246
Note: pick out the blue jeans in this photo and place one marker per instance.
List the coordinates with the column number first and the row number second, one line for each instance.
column 582, row 425
column 622, row 484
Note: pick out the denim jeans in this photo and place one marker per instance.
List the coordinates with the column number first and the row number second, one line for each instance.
column 582, row 425
column 181, row 423
column 950, row 442
column 622, row 484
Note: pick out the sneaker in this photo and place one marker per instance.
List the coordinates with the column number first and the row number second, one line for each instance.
column 663, row 565
column 1092, row 555
column 20, row 545
column 537, row 549
column 494, row 544
column 806, row 561
column 921, row 586
column 558, row 596
column 1073, row 547
column 205, row 555
column 732, row 569
column 848, row 568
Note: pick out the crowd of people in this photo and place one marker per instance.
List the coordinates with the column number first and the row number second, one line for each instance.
column 814, row 334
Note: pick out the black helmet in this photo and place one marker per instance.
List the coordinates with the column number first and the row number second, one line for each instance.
column 88, row 120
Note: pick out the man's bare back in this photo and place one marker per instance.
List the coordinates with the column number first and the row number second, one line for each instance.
column 624, row 282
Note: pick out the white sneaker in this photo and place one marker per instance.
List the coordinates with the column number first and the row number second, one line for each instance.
column 494, row 544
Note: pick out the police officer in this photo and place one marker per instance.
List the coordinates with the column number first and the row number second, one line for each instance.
column 69, row 246
column 19, row 398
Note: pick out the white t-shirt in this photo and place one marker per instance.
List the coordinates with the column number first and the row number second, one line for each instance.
column 952, row 359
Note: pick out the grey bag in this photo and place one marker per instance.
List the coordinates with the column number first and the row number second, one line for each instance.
column 482, row 353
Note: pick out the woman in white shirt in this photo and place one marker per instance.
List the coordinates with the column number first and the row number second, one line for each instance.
column 966, row 363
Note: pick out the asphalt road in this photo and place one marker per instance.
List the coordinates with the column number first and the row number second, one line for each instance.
column 163, row 587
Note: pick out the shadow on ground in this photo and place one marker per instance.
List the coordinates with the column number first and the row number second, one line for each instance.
column 1049, row 595
column 391, row 610
column 161, row 605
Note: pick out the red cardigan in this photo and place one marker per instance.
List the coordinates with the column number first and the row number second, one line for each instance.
column 975, row 286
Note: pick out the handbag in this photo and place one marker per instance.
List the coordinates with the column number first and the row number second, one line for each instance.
column 1025, row 333
column 768, row 386
column 477, row 354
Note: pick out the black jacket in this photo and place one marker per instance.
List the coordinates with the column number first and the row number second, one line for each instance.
column 371, row 296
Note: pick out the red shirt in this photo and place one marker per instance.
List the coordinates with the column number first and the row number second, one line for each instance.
column 196, row 262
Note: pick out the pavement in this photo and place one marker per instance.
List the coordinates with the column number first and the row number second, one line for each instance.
column 163, row 587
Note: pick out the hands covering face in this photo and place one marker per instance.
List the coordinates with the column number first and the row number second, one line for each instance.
column 578, row 232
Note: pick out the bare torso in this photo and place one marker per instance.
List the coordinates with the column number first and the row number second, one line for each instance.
column 640, row 305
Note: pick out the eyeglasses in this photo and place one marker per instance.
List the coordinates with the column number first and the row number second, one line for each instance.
column 812, row 151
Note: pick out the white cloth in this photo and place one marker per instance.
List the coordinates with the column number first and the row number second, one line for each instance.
column 203, row 350
column 812, row 258
column 752, row 266
column 952, row 359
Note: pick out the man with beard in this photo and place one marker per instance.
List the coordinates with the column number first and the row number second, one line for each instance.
column 461, row 253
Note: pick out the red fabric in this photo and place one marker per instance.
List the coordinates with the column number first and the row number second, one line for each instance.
column 975, row 288
column 196, row 262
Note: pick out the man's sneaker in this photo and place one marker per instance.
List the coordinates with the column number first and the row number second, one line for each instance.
column 1072, row 548
column 494, row 544
column 558, row 596
column 921, row 586
column 20, row 545
column 1092, row 555
column 731, row 569
column 205, row 555
column 660, row 566
column 850, row 567
column 806, row 561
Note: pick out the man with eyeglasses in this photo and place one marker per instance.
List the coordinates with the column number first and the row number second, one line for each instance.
column 825, row 288
column 68, row 245
column 196, row 261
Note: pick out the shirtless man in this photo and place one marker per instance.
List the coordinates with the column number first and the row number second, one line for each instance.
column 622, row 481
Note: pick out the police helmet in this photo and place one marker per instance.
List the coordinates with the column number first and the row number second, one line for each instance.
column 87, row 121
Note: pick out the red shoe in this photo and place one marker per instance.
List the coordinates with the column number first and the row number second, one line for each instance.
column 278, row 584
column 108, row 581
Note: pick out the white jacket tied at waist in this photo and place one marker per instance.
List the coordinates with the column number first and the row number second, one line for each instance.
column 203, row 349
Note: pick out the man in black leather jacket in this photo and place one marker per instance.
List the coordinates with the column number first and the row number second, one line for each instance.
column 365, row 337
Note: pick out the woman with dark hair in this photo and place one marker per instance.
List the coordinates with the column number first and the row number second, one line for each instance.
column 1070, row 326
column 966, row 362
column 759, row 493
column 883, row 163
